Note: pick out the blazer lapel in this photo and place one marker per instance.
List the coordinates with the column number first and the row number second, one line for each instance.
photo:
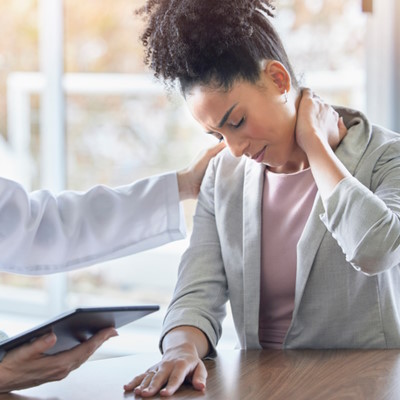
column 349, row 152
column 307, row 248
column 252, row 206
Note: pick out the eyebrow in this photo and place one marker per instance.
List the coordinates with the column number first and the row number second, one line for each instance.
column 226, row 116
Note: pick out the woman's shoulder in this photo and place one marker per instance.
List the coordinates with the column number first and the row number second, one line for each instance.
column 225, row 173
column 225, row 156
column 364, row 131
column 226, row 161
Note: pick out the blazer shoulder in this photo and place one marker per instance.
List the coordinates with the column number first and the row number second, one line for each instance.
column 225, row 161
column 385, row 142
column 224, row 176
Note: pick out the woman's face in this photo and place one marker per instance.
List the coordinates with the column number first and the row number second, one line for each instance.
column 254, row 120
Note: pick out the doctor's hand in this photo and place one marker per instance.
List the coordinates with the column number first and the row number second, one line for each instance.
column 27, row 366
column 190, row 178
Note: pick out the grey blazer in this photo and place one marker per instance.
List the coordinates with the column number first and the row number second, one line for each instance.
column 347, row 285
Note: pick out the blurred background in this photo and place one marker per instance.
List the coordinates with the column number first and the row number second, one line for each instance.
column 101, row 118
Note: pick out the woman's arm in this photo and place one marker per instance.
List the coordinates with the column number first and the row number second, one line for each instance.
column 363, row 211
column 319, row 131
column 192, row 325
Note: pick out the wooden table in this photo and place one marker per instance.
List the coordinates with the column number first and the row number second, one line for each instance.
column 240, row 375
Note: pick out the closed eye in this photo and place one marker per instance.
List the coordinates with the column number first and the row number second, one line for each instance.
column 216, row 135
column 239, row 124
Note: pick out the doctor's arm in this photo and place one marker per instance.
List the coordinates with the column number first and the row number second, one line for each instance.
column 45, row 233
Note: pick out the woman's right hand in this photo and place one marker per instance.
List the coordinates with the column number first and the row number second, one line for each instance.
column 184, row 348
column 178, row 365
column 28, row 366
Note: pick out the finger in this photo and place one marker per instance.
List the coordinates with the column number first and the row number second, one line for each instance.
column 37, row 347
column 342, row 126
column 156, row 381
column 79, row 354
column 315, row 96
column 135, row 382
column 214, row 150
column 146, row 382
column 206, row 155
column 175, row 380
column 199, row 377
column 306, row 93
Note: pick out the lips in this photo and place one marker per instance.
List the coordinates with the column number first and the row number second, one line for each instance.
column 259, row 157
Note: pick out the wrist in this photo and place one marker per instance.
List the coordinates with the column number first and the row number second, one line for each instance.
column 184, row 185
column 188, row 339
column 181, row 348
column 314, row 144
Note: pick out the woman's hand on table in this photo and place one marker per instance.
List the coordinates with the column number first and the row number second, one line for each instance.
column 184, row 348
column 178, row 365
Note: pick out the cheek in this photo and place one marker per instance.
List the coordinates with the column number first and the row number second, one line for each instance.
column 260, row 129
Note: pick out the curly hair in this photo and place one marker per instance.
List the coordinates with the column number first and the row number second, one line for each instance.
column 194, row 42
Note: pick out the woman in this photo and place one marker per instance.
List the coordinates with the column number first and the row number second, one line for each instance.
column 42, row 233
column 299, row 226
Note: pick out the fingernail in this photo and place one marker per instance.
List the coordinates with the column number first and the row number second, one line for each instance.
column 49, row 338
column 113, row 334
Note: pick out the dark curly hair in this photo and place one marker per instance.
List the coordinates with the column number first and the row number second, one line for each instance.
column 194, row 42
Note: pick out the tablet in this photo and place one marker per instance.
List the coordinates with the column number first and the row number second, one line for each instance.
column 76, row 326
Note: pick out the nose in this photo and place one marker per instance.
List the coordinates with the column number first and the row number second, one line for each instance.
column 237, row 146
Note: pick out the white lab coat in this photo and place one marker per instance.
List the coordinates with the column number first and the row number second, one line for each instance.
column 43, row 233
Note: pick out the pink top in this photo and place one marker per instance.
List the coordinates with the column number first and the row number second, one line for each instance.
column 287, row 202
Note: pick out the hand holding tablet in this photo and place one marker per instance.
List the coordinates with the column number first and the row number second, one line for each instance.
column 49, row 352
column 77, row 326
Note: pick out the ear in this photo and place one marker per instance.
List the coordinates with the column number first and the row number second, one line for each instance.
column 279, row 75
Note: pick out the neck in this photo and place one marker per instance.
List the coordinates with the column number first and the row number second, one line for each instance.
column 299, row 160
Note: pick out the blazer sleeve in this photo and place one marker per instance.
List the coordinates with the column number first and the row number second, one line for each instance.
column 45, row 233
column 365, row 221
column 201, row 291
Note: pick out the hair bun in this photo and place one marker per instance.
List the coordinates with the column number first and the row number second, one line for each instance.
column 227, row 22
column 204, row 40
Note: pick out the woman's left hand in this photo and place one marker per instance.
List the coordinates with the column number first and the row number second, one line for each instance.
column 319, row 130
column 317, row 121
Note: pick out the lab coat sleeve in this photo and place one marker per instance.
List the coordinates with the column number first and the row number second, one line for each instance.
column 45, row 233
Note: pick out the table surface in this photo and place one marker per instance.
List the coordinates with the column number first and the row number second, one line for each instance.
column 252, row 374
